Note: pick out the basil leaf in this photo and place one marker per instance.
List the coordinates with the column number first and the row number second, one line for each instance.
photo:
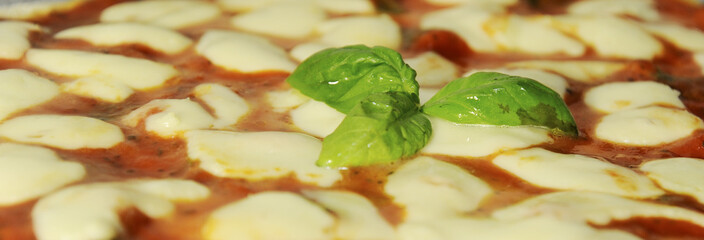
column 382, row 128
column 342, row 77
column 499, row 99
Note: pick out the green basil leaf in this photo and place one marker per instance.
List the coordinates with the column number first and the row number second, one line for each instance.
column 382, row 128
column 499, row 99
column 342, row 77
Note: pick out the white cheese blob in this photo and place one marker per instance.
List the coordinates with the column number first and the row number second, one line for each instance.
column 612, row 36
column 245, row 5
column 596, row 208
column 113, row 34
column 260, row 155
column 618, row 96
column 170, row 14
column 170, row 117
column 432, row 70
column 531, row 36
column 347, row 6
column 21, row 89
column 98, row 87
column 686, row 38
column 456, row 2
column 643, row 9
column 679, row 175
column 287, row 19
column 284, row 100
column 316, row 118
column 467, row 21
column 304, row 50
column 378, row 30
column 555, row 82
column 269, row 216
column 426, row 93
column 243, row 52
column 29, row 10
column 357, row 217
column 62, row 131
column 227, row 106
column 583, row 71
column 576, row 172
column 139, row 74
column 532, row 228
column 28, row 172
column 699, row 60
column 431, row 189
column 480, row 140
column 14, row 42
column 91, row 211
column 649, row 126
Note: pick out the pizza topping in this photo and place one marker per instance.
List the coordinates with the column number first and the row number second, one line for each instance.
column 227, row 106
column 619, row 96
column 269, row 215
column 686, row 38
column 467, row 21
column 469, row 140
column 287, row 19
column 62, row 131
column 284, row 100
column 138, row 74
column 649, row 126
column 679, row 175
column 643, row 9
column 14, row 40
column 595, row 208
column 259, row 155
column 170, row 14
column 347, row 6
column 90, row 211
column 531, row 36
column 357, row 218
column 98, row 87
column 576, row 172
column 41, row 171
column 555, row 82
column 316, row 118
column 113, row 34
column 30, row 10
column 431, row 189
column 22, row 89
column 432, row 69
column 170, row 117
column 583, row 71
column 379, row 30
column 243, row 52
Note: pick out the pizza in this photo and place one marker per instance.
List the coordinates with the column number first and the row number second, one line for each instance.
column 352, row 119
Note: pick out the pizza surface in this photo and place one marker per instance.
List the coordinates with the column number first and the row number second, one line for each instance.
column 184, row 119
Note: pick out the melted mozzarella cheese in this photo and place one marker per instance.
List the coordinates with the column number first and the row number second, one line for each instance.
column 21, row 89
column 169, row 14
column 643, row 9
column 243, row 52
column 699, row 60
column 347, row 6
column 269, row 215
column 432, row 70
column 62, row 131
column 113, row 34
column 227, row 106
column 288, row 19
column 555, row 82
column 136, row 73
column 98, row 88
column 576, row 172
column 35, row 9
column 612, row 36
column 367, row 30
column 432, row 189
column 533, row 228
column 28, row 172
column 530, row 35
column 583, row 71
column 426, row 93
column 316, row 118
column 479, row 140
column 245, row 5
column 13, row 42
column 648, row 126
column 618, row 96
column 456, row 2
column 679, row 175
column 173, row 117
column 302, row 51
column 285, row 100
column 596, row 208
column 91, row 211
column 357, row 217
column 686, row 38
column 466, row 21
column 259, row 155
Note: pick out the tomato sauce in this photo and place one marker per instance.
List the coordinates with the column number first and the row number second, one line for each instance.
column 144, row 155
